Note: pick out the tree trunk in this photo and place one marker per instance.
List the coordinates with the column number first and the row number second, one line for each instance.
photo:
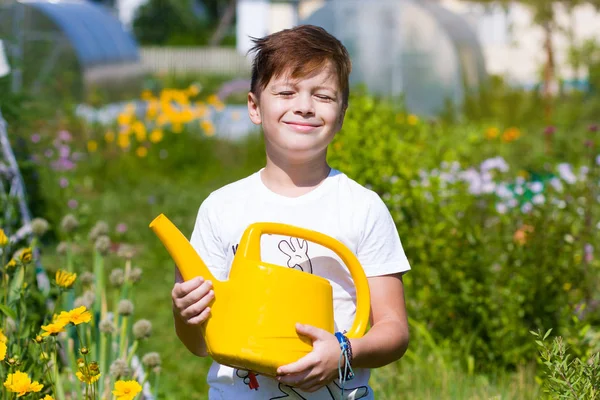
column 224, row 24
column 549, row 70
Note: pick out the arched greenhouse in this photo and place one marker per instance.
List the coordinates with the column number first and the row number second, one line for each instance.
column 417, row 49
column 67, row 47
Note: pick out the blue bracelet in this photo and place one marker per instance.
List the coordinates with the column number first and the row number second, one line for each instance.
column 345, row 373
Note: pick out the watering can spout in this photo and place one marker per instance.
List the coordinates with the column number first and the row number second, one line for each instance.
column 188, row 262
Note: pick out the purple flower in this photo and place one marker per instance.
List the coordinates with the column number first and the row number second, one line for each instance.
column 63, row 182
column 72, row 203
column 589, row 143
column 63, row 164
column 121, row 227
column 64, row 136
column 49, row 153
column 593, row 128
column 550, row 130
column 64, row 151
column 35, row 138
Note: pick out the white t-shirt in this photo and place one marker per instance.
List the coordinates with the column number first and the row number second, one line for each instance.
column 338, row 207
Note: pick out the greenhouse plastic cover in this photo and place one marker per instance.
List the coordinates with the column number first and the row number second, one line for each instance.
column 96, row 35
column 403, row 47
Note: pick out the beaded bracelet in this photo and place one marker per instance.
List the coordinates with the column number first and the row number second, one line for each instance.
column 345, row 373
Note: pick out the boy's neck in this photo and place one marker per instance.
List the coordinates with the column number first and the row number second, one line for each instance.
column 293, row 180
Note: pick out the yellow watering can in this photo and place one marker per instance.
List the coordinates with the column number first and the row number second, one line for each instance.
column 253, row 314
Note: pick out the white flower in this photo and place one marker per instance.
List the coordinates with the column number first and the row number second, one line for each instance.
column 556, row 184
column 488, row 187
column 519, row 190
column 536, row 187
column 538, row 199
column 598, row 159
column 526, row 208
column 569, row 238
column 566, row 173
column 501, row 208
column 503, row 191
column 512, row 203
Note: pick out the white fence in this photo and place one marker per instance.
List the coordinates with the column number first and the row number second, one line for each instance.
column 226, row 61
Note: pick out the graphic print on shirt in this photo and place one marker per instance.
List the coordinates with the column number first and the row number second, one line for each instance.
column 297, row 251
column 249, row 378
column 333, row 388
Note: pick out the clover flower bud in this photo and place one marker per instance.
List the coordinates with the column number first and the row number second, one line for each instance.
column 151, row 359
column 106, row 326
column 119, row 368
column 135, row 274
column 103, row 245
column 69, row 223
column 87, row 278
column 126, row 251
column 125, row 307
column 39, row 226
column 62, row 248
column 100, row 229
column 117, row 277
column 142, row 329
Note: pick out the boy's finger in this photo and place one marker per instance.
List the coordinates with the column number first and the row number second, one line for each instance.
column 200, row 318
column 196, row 295
column 197, row 307
column 183, row 288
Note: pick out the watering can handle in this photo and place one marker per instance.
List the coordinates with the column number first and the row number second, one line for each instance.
column 250, row 246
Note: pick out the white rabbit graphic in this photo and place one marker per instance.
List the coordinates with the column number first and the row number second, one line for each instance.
column 297, row 251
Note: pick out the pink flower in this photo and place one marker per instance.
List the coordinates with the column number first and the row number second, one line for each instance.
column 35, row 138
column 64, row 136
column 72, row 203
column 121, row 227
column 63, row 182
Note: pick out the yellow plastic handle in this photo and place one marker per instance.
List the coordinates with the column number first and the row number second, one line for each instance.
column 250, row 249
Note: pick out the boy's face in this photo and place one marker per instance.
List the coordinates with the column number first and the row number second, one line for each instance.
column 299, row 117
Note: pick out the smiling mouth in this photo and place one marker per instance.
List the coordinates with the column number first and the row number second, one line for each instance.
column 302, row 127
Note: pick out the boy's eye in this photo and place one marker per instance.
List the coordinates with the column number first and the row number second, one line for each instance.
column 286, row 94
column 324, row 97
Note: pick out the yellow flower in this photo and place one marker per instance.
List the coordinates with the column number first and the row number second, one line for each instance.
column 141, row 151
column 26, row 255
column 20, row 383
column 124, row 119
column 156, row 136
column 48, row 397
column 412, row 119
column 567, row 286
column 126, row 390
column 491, row 133
column 208, row 127
column 11, row 264
column 89, row 379
column 3, row 347
column 123, row 141
column 65, row 279
column 55, row 327
column 109, row 137
column 76, row 316
column 140, row 131
column 3, row 238
column 193, row 90
column 92, row 146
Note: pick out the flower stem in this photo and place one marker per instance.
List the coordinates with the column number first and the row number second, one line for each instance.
column 123, row 338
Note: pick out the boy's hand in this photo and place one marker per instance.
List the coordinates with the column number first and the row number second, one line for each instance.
column 191, row 300
column 316, row 369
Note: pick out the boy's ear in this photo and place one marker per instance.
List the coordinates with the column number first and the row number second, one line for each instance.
column 254, row 109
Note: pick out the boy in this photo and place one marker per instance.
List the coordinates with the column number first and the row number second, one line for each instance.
column 299, row 94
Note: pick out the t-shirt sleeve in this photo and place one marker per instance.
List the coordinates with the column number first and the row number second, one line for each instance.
column 206, row 239
column 380, row 250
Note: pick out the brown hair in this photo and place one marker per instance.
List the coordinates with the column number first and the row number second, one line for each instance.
column 302, row 51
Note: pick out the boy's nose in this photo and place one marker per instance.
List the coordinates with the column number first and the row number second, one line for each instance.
column 304, row 105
